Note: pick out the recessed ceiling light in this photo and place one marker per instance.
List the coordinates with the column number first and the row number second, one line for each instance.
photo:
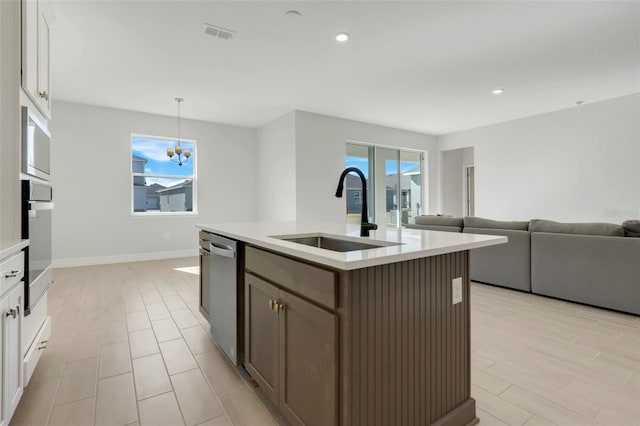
column 342, row 37
column 497, row 91
column 293, row 13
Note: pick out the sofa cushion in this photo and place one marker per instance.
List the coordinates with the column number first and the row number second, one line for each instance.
column 606, row 229
column 631, row 228
column 479, row 222
column 439, row 220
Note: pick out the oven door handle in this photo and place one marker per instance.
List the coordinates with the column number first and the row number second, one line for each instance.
column 40, row 205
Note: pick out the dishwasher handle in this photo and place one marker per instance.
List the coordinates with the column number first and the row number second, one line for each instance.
column 224, row 251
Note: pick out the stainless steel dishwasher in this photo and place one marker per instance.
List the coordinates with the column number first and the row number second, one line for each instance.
column 226, row 296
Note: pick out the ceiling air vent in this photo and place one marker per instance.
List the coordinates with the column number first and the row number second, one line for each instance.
column 219, row 32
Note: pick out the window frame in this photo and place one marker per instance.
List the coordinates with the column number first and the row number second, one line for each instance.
column 194, row 211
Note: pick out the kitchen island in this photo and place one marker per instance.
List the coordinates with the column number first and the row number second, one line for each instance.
column 377, row 334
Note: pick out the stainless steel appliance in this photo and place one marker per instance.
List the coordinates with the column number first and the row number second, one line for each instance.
column 205, row 273
column 36, row 146
column 37, row 207
column 226, row 304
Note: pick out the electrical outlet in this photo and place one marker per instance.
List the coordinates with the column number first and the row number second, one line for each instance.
column 456, row 290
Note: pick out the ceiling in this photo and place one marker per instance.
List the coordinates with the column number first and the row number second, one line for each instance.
column 422, row 66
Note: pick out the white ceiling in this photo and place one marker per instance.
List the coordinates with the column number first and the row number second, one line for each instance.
column 423, row 66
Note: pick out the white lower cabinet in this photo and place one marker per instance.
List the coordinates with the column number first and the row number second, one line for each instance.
column 11, row 311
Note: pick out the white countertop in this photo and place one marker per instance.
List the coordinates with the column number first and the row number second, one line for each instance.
column 414, row 243
column 11, row 247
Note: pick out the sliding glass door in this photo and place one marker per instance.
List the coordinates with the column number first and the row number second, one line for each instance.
column 394, row 184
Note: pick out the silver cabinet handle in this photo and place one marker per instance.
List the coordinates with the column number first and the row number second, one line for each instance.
column 12, row 273
column 11, row 313
column 44, row 95
column 204, row 252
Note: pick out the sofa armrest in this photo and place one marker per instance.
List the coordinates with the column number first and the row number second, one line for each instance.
column 434, row 228
column 506, row 265
column 596, row 270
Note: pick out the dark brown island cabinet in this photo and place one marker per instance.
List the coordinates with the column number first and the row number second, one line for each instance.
column 380, row 345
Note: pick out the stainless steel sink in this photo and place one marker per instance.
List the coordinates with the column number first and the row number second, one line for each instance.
column 334, row 244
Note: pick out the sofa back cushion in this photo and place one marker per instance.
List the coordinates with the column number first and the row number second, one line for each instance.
column 479, row 222
column 631, row 228
column 439, row 221
column 606, row 229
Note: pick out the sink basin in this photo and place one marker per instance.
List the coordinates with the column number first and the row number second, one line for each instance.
column 333, row 243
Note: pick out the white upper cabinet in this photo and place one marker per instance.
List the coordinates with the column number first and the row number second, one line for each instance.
column 35, row 54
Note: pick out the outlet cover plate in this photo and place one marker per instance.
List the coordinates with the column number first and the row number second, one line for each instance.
column 456, row 290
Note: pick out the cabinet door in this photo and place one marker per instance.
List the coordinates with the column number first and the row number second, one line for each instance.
column 308, row 355
column 11, row 348
column 30, row 47
column 261, row 334
column 43, row 61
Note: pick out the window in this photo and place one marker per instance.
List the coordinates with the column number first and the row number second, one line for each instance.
column 159, row 184
column 394, row 184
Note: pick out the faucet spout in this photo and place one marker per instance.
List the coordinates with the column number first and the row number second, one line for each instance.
column 365, row 226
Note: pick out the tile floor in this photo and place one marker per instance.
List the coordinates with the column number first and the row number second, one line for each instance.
column 129, row 347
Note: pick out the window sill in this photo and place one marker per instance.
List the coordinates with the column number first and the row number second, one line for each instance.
column 142, row 215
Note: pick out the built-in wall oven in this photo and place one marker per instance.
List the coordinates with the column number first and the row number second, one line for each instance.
column 37, row 208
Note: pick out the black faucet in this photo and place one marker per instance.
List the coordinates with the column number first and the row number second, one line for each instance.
column 365, row 226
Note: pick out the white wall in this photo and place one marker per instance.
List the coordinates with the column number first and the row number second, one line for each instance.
column 320, row 158
column 579, row 164
column 276, row 169
column 91, row 163
column 452, row 178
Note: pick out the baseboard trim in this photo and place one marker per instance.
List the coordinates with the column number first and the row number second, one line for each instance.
column 122, row 258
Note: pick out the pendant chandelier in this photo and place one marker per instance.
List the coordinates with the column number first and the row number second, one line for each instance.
column 181, row 156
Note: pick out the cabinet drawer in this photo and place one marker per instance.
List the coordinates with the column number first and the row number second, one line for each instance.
column 35, row 351
column 11, row 272
column 319, row 285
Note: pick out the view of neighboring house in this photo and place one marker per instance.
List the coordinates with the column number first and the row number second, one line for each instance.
column 177, row 198
column 139, row 184
column 410, row 194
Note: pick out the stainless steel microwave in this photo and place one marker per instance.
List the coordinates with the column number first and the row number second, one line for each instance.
column 36, row 146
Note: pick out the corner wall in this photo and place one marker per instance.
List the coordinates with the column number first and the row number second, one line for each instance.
column 91, row 177
column 276, row 169
column 578, row 164
column 320, row 158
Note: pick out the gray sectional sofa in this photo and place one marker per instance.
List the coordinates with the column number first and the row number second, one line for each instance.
column 592, row 263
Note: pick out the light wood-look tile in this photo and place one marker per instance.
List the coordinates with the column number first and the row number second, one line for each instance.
column 116, row 401
column 151, row 376
column 198, row 340
column 219, row 372
column 143, row 343
column 161, row 410
column 218, row 421
column 184, row 318
column 244, row 408
column 114, row 360
column 535, row 360
column 166, row 330
column 84, row 345
column 113, row 332
column 196, row 400
column 37, row 403
column 177, row 356
column 158, row 311
column 137, row 320
column 174, row 302
column 78, row 381
column 78, row 413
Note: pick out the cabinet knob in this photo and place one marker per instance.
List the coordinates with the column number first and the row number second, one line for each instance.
column 12, row 313
column 279, row 307
column 12, row 273
column 44, row 95
column 272, row 304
